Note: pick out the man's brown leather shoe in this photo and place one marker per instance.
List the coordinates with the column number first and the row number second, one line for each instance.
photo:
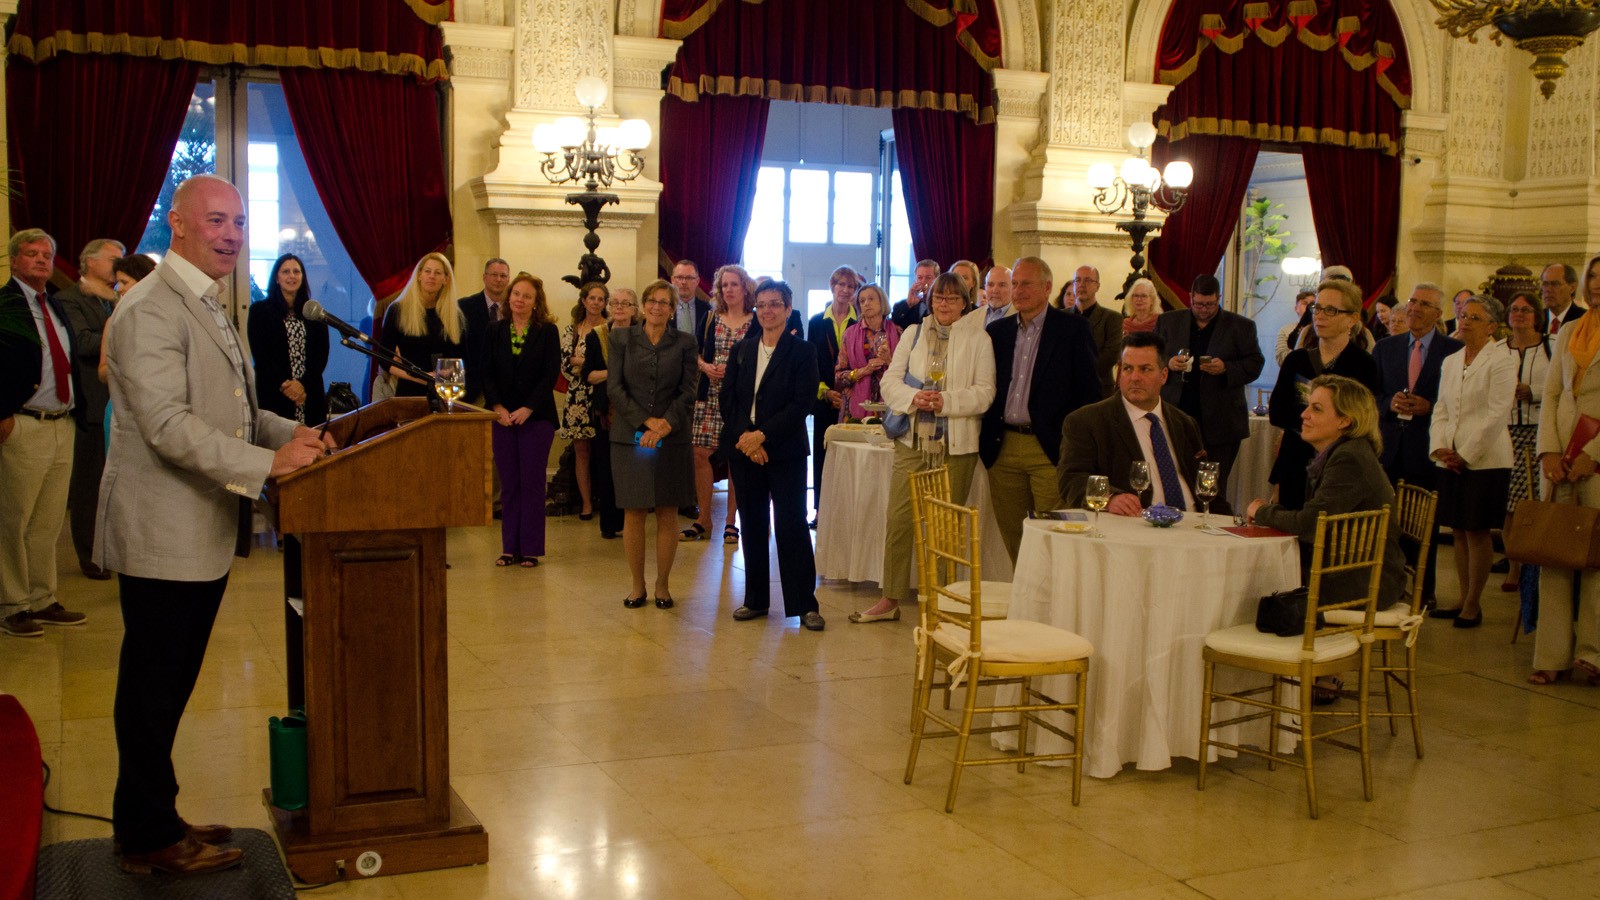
column 186, row 857
column 208, row 834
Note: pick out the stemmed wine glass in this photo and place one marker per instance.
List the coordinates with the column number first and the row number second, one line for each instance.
column 1205, row 487
column 449, row 380
column 1139, row 478
column 1096, row 496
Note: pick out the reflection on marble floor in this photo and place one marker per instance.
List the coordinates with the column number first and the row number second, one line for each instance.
column 650, row 754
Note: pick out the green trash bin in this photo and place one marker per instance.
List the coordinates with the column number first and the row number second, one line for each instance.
column 286, row 739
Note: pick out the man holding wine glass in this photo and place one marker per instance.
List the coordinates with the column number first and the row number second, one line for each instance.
column 1133, row 440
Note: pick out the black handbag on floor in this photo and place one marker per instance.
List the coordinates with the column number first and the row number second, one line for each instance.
column 1283, row 613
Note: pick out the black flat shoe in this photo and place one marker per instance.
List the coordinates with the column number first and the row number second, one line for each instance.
column 663, row 603
column 633, row 602
column 745, row 614
column 1464, row 622
column 1444, row 613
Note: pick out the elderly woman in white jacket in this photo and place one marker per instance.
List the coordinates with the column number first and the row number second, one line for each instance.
column 1468, row 440
column 954, row 365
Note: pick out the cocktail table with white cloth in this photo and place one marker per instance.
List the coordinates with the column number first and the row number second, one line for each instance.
column 1146, row 598
column 851, row 519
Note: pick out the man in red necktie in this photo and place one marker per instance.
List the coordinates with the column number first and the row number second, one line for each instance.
column 38, row 398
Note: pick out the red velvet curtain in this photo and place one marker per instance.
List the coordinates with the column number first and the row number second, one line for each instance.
column 947, row 170
column 926, row 54
column 91, row 138
column 709, row 183
column 1194, row 239
column 1322, row 71
column 372, row 144
column 395, row 36
column 1355, row 204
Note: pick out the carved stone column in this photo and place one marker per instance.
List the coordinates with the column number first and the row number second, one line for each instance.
column 479, row 95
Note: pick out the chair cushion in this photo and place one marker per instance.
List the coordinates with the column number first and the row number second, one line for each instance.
column 1017, row 641
column 996, row 598
column 1385, row 618
column 1245, row 640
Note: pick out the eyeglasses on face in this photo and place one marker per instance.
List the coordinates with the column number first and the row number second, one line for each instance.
column 1323, row 309
column 1474, row 317
column 769, row 304
column 1422, row 304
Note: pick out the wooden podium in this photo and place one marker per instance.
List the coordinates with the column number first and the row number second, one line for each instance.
column 365, row 550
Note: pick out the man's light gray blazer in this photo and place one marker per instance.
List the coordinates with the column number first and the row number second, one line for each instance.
column 179, row 461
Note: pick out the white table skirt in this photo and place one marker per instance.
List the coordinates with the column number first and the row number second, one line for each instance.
column 1146, row 598
column 852, row 518
column 1253, row 465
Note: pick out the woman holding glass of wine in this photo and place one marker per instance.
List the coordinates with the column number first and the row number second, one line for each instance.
column 944, row 378
column 523, row 356
column 865, row 352
column 420, row 328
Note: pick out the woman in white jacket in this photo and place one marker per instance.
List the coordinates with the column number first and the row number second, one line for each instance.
column 1469, row 442
column 954, row 366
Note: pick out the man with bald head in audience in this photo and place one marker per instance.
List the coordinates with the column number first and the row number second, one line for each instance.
column 189, row 451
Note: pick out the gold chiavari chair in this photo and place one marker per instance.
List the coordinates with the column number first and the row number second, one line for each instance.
column 986, row 652
column 1399, row 626
column 994, row 597
column 1347, row 543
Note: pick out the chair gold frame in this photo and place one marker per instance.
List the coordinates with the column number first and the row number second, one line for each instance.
column 1414, row 511
column 934, row 484
column 953, row 544
column 1349, row 542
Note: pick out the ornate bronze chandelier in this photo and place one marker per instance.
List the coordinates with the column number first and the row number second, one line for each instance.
column 1548, row 29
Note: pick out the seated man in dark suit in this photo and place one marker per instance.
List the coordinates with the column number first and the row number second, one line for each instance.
column 1133, row 425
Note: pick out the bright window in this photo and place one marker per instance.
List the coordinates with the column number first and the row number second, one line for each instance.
column 763, row 242
column 808, row 206
column 852, row 207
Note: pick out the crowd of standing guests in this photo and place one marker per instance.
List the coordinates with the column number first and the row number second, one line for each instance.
column 668, row 393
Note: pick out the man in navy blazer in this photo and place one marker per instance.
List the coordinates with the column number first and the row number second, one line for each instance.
column 690, row 312
column 825, row 332
column 482, row 310
column 1405, row 405
column 1044, row 367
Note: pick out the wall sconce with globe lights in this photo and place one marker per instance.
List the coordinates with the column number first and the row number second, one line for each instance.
column 1138, row 183
column 577, row 151
column 1301, row 271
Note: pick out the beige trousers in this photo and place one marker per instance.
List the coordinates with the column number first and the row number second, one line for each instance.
column 1021, row 479
column 898, row 552
column 35, row 473
column 1554, row 647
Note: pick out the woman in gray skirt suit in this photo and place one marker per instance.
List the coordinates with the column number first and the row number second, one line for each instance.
column 653, row 378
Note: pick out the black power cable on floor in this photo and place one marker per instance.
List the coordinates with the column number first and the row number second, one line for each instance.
column 65, row 812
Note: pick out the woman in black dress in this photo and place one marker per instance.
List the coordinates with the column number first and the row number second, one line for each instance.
column 651, row 377
column 290, row 353
column 424, row 324
column 523, row 356
column 770, row 386
column 1329, row 349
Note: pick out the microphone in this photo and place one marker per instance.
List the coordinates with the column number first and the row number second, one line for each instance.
column 313, row 310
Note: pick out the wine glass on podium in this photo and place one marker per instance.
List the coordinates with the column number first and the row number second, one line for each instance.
column 449, row 380
column 1097, row 496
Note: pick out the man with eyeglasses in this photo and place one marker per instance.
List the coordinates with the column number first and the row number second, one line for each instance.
column 690, row 313
column 1557, row 283
column 1208, row 382
column 1104, row 324
column 1408, row 384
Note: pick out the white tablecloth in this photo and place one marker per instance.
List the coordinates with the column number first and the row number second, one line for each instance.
column 852, row 518
column 1146, row 598
column 1254, row 464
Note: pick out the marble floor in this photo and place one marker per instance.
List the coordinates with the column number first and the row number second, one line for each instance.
column 642, row 753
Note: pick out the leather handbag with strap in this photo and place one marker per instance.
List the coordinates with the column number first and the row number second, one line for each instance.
column 1557, row 535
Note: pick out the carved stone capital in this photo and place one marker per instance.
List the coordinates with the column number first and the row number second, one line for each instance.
column 639, row 61
column 558, row 42
column 1424, row 134
column 479, row 51
column 521, row 201
column 1140, row 100
column 1021, row 94
column 1085, row 61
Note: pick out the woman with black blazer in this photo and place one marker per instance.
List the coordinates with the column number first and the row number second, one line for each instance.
column 290, row 353
column 622, row 311
column 523, row 353
column 770, row 387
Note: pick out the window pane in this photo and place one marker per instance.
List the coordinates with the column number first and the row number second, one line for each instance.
column 763, row 242
column 287, row 216
column 817, row 301
column 901, row 263
column 195, row 153
column 852, row 207
column 808, row 206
